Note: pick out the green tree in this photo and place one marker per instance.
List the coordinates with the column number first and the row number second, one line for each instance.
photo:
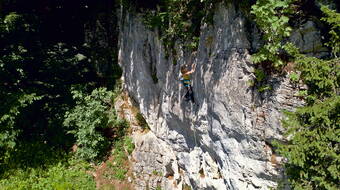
column 313, row 151
column 271, row 16
column 88, row 120
column 42, row 56
column 333, row 19
column 14, row 99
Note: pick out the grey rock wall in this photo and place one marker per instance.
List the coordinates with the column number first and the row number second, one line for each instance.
column 224, row 140
column 308, row 38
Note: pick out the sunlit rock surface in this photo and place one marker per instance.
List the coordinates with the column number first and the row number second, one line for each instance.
column 224, row 140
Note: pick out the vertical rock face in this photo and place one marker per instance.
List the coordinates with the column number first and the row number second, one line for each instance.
column 308, row 38
column 224, row 140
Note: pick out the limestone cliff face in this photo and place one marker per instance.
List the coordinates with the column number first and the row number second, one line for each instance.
column 222, row 141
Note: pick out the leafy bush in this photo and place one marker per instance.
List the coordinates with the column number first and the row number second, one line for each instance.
column 271, row 17
column 62, row 176
column 14, row 104
column 13, row 100
column 89, row 117
column 37, row 70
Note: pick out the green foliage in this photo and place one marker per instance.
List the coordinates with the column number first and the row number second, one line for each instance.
column 294, row 77
column 13, row 106
column 271, row 17
column 157, row 173
column 36, row 76
column 61, row 176
column 260, row 75
column 128, row 144
column 12, row 22
column 260, row 82
column 41, row 59
column 314, row 131
column 313, row 149
column 119, row 164
column 186, row 187
column 28, row 155
column 333, row 19
column 321, row 76
column 89, row 117
column 179, row 20
column 264, row 88
column 141, row 121
column 13, row 102
column 313, row 152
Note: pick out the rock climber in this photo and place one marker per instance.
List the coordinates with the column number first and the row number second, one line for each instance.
column 185, row 78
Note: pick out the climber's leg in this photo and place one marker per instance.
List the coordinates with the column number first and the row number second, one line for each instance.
column 187, row 93
column 191, row 93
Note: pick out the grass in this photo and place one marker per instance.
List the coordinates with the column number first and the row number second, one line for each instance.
column 264, row 88
column 60, row 176
column 119, row 164
column 158, row 173
column 107, row 187
column 128, row 144
column 186, row 187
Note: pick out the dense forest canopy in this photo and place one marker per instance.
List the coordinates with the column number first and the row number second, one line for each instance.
column 59, row 77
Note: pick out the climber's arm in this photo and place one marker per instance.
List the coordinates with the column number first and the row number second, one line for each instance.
column 192, row 70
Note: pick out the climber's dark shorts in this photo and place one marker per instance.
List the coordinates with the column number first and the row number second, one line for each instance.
column 186, row 83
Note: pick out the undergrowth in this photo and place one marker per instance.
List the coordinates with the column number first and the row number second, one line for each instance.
column 90, row 119
column 119, row 165
column 61, row 176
